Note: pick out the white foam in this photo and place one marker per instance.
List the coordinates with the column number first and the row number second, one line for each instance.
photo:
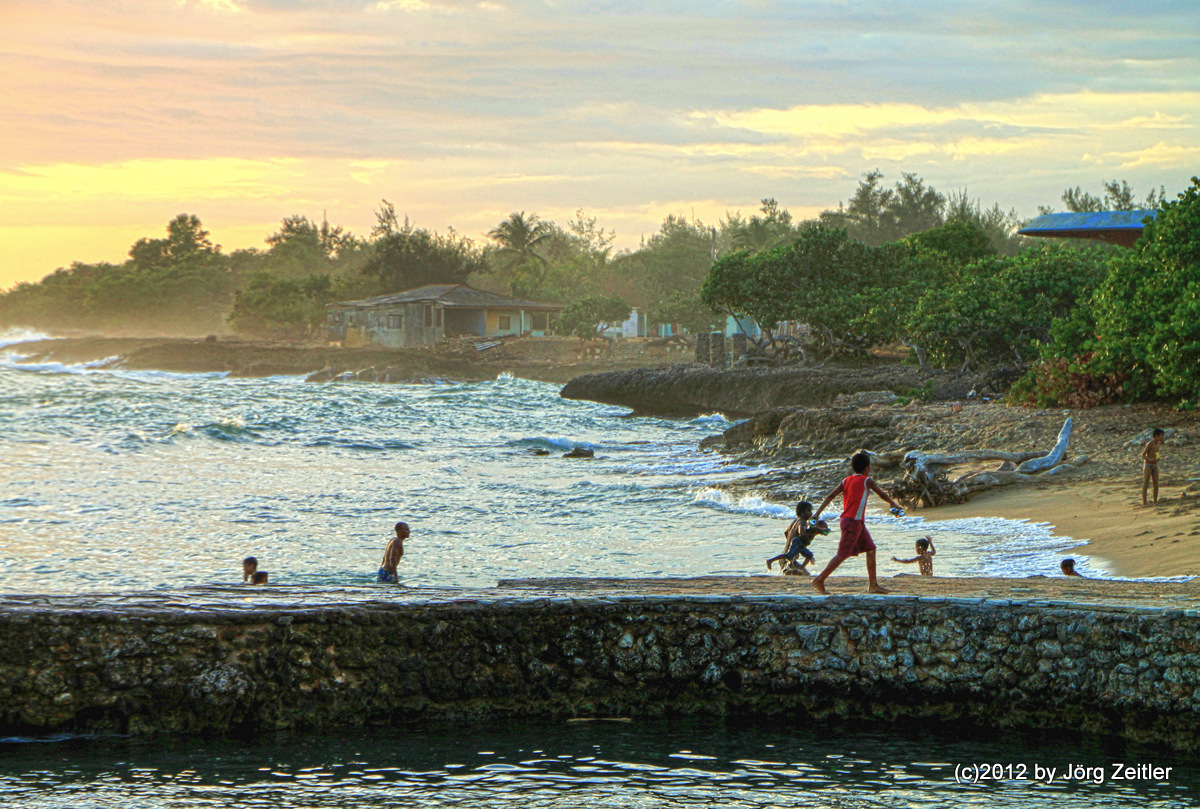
column 22, row 335
column 723, row 501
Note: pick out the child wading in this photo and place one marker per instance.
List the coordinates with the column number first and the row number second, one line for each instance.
column 924, row 557
column 855, row 537
column 392, row 555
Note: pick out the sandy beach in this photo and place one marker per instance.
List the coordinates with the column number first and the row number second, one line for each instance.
column 1106, row 516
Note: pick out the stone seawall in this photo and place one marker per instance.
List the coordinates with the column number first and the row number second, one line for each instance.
column 352, row 658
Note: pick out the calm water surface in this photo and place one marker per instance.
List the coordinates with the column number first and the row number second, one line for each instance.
column 628, row 764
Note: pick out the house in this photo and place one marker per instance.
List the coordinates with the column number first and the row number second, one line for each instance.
column 636, row 326
column 1115, row 227
column 430, row 314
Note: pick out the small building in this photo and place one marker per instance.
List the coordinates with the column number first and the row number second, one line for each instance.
column 1122, row 228
column 636, row 326
column 742, row 325
column 429, row 314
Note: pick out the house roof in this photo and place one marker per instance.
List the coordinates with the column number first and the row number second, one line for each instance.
column 457, row 296
column 1115, row 227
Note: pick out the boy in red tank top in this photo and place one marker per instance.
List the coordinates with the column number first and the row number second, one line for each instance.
column 855, row 537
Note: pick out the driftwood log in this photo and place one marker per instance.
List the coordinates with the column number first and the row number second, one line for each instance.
column 926, row 482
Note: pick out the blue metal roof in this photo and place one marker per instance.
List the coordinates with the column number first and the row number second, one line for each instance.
column 1120, row 227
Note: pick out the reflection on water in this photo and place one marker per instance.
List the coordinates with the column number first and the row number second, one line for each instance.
column 595, row 763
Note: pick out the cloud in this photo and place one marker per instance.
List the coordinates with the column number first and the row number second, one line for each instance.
column 215, row 6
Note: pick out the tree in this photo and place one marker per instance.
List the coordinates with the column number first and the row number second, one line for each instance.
column 403, row 257
column 281, row 307
column 689, row 312
column 764, row 232
column 586, row 318
column 1147, row 310
column 876, row 215
column 1118, row 196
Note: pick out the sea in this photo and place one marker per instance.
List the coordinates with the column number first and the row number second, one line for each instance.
column 123, row 481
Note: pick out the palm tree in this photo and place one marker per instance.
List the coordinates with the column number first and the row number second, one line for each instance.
column 757, row 235
column 519, row 236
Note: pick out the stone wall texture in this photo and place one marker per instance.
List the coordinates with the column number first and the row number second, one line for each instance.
column 1129, row 671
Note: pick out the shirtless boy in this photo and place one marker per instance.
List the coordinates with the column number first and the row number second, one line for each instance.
column 1150, row 462
column 924, row 557
column 392, row 555
column 855, row 537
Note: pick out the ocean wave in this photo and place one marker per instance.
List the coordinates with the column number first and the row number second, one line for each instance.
column 750, row 504
column 11, row 359
column 543, row 442
column 359, row 444
column 20, row 334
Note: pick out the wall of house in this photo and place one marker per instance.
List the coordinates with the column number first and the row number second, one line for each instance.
column 515, row 323
column 466, row 321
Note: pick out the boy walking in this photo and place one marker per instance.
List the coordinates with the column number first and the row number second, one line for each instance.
column 855, row 537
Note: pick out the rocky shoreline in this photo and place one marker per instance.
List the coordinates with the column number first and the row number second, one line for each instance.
column 688, row 389
column 544, row 359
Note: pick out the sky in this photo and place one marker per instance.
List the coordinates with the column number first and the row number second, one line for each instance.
column 116, row 116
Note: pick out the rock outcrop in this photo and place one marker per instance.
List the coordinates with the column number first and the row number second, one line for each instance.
column 688, row 390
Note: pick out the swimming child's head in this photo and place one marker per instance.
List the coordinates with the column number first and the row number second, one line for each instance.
column 922, row 545
column 1067, row 566
column 259, row 578
column 860, row 462
column 402, row 530
column 803, row 510
column 249, row 565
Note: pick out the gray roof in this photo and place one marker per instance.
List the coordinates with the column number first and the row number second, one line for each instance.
column 449, row 295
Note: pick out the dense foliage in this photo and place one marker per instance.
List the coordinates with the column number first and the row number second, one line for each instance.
column 1142, row 322
column 903, row 264
column 586, row 318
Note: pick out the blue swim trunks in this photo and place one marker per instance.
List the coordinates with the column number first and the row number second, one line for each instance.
column 386, row 577
column 795, row 548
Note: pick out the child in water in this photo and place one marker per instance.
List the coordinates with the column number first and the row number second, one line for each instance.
column 797, row 537
column 924, row 557
column 392, row 555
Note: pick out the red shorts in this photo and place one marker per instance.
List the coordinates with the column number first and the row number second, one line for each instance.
column 856, row 538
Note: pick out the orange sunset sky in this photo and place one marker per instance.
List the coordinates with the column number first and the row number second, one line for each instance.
column 118, row 115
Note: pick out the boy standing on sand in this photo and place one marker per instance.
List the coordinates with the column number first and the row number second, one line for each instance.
column 1150, row 462
column 855, row 537
column 392, row 555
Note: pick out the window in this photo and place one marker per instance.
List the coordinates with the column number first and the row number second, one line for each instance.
column 438, row 318
column 505, row 322
column 395, row 321
column 428, row 314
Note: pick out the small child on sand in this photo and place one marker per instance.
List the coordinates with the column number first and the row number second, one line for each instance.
column 392, row 555
column 1150, row 462
column 797, row 537
column 855, row 537
column 924, row 557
